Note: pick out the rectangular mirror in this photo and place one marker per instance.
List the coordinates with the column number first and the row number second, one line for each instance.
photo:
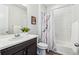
column 11, row 16
column 3, row 19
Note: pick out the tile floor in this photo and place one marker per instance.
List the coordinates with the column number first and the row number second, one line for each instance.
column 53, row 53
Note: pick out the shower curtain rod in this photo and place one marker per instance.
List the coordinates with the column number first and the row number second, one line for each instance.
column 60, row 7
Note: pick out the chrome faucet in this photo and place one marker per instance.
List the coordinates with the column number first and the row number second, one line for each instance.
column 17, row 35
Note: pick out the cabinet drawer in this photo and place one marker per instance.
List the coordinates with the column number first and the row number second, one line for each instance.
column 14, row 49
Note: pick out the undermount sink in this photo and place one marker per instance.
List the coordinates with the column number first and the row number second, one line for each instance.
column 15, row 38
column 19, row 36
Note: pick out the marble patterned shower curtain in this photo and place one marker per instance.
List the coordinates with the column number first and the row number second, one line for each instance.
column 48, row 29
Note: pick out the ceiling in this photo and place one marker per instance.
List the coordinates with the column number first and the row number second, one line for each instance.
column 49, row 6
column 52, row 5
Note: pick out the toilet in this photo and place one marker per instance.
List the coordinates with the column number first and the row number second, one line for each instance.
column 41, row 48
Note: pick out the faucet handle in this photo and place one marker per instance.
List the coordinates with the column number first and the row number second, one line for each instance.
column 76, row 44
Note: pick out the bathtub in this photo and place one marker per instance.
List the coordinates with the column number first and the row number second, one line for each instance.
column 66, row 48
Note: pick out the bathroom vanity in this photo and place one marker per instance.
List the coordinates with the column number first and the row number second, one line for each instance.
column 24, row 46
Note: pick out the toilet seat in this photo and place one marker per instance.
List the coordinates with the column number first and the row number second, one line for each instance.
column 42, row 45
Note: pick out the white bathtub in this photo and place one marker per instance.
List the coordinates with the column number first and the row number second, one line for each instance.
column 66, row 48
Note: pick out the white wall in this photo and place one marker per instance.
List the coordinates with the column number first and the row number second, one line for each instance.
column 33, row 10
column 75, row 17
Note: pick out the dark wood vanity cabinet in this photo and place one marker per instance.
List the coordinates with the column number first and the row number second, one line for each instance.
column 25, row 48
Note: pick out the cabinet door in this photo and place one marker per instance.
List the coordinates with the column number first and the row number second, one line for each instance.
column 32, row 49
column 22, row 52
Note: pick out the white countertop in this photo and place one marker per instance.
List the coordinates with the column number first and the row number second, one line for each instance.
column 9, row 40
